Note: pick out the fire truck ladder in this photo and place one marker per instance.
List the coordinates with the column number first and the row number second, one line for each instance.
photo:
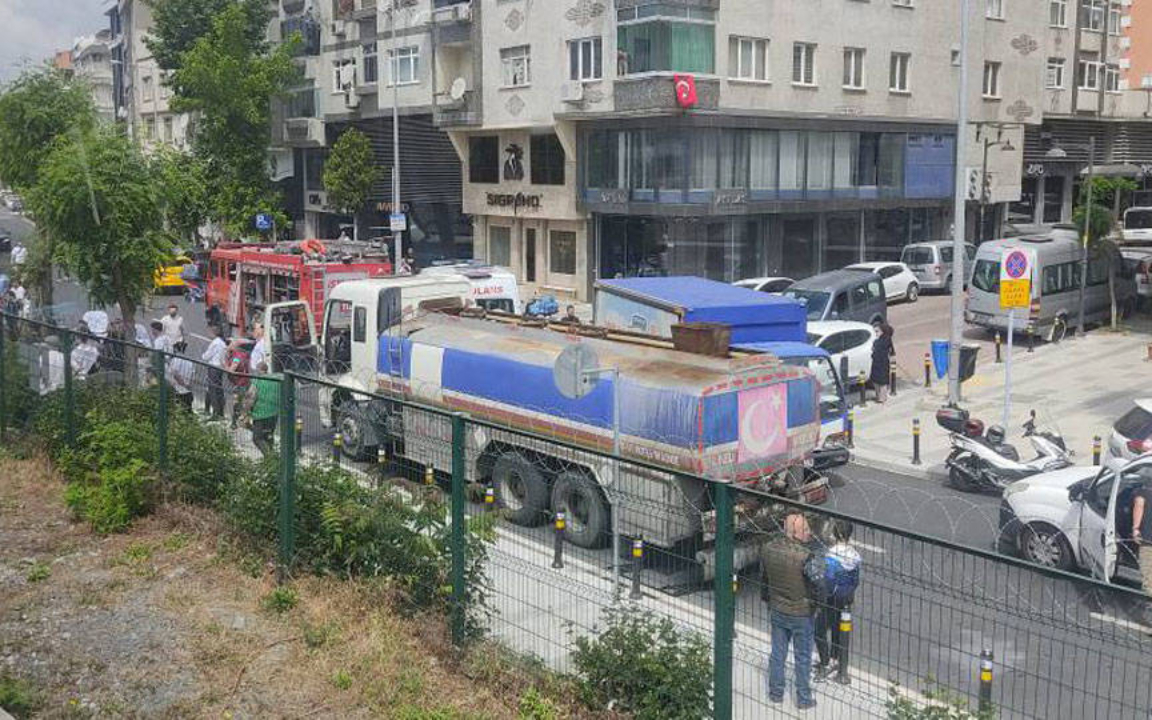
column 319, row 291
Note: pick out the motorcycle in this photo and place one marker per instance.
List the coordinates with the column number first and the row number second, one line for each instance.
column 983, row 462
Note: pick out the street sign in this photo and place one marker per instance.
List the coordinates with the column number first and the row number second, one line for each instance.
column 1016, row 278
column 398, row 222
column 263, row 222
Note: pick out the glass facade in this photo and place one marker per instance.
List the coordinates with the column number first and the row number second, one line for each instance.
column 688, row 164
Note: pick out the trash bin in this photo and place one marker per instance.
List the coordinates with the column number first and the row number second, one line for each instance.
column 968, row 361
column 940, row 357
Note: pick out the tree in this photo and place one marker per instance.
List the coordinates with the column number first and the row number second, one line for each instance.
column 40, row 106
column 229, row 81
column 177, row 25
column 1096, row 225
column 185, row 200
column 349, row 175
column 97, row 197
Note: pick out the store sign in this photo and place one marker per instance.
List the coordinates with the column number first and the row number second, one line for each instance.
column 517, row 201
column 1033, row 169
column 727, row 198
column 386, row 207
column 615, row 196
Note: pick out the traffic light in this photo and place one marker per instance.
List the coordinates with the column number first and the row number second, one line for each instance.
column 973, row 185
column 986, row 190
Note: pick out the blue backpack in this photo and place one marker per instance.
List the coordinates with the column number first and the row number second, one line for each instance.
column 841, row 573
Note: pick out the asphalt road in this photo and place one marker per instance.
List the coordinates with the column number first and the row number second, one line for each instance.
column 917, row 324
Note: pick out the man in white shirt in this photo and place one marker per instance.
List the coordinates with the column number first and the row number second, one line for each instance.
column 259, row 352
column 97, row 322
column 19, row 291
column 173, row 326
column 84, row 356
column 19, row 255
column 179, row 372
column 159, row 340
column 215, row 355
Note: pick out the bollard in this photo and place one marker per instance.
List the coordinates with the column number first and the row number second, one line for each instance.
column 430, row 476
column 382, row 461
column 1031, row 338
column 489, row 498
column 915, row 441
column 861, row 381
column 1149, row 358
column 845, row 642
column 999, row 340
column 1096, row 450
column 892, row 383
column 986, row 681
column 299, row 435
column 637, row 560
column 558, row 554
column 337, row 442
column 927, row 370
column 844, row 366
column 850, row 427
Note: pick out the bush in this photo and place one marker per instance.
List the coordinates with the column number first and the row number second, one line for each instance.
column 18, row 398
column 939, row 704
column 645, row 665
column 201, row 457
column 17, row 696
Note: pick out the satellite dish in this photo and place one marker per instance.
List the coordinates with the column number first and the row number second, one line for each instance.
column 459, row 87
column 569, row 371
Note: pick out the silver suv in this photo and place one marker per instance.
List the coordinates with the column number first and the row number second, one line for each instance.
column 931, row 263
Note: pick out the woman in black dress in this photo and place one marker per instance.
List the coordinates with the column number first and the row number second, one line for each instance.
column 882, row 352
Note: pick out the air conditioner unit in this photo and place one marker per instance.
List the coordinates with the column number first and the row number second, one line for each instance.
column 572, row 92
column 339, row 28
column 351, row 99
column 462, row 13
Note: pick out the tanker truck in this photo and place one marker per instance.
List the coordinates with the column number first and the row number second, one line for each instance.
column 548, row 408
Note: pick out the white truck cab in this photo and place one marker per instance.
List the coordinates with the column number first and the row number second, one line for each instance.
column 1078, row 517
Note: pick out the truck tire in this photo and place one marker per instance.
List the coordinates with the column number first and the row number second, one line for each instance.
column 520, row 489
column 356, row 437
column 585, row 509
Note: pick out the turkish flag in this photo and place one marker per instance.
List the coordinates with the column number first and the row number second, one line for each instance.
column 685, row 90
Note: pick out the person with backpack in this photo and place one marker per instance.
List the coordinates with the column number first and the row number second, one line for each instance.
column 237, row 366
column 839, row 565
column 782, row 561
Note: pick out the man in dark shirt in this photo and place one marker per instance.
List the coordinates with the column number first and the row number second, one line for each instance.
column 782, row 561
column 1142, row 532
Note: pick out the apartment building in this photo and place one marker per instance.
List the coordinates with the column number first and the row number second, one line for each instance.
column 1096, row 57
column 140, row 98
column 92, row 61
column 357, row 64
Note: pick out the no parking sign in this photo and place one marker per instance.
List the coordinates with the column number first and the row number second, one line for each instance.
column 1016, row 278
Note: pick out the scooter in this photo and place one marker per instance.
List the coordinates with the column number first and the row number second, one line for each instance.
column 983, row 462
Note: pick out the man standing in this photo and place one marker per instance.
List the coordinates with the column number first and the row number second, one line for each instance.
column 173, row 326
column 1142, row 532
column 179, row 374
column 782, row 561
column 259, row 352
column 262, row 404
column 19, row 256
column 214, row 356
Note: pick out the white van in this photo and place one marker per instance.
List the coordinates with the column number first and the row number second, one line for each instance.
column 1137, row 228
column 493, row 288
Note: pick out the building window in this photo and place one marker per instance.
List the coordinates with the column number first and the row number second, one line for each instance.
column 500, row 246
column 854, row 68
column 747, row 58
column 148, row 89
column 666, row 45
column 149, row 128
column 517, row 66
column 562, row 252
column 343, row 75
column 547, row 160
column 585, row 59
column 1058, row 13
column 1088, row 74
column 1092, row 15
column 991, row 80
column 371, row 67
column 994, row 9
column 404, row 65
column 167, row 136
column 1114, row 15
column 803, row 64
column 1055, row 77
column 898, row 72
column 1112, row 78
column 484, row 159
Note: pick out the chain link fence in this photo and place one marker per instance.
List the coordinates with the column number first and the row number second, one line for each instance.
column 529, row 530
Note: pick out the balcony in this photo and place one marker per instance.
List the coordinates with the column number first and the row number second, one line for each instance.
column 464, row 112
column 659, row 93
column 304, row 132
column 355, row 9
column 309, row 31
column 453, row 23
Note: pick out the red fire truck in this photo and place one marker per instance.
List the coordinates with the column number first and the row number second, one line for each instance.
column 244, row 278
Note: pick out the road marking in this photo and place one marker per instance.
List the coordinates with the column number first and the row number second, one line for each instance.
column 1127, row 624
column 201, row 337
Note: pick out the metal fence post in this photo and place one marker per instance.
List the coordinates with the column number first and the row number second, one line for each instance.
column 459, row 545
column 161, row 411
column 287, row 530
column 69, row 395
column 3, row 378
column 725, row 605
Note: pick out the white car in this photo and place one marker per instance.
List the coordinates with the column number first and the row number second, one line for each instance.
column 847, row 342
column 1131, row 435
column 766, row 284
column 1078, row 517
column 1138, row 261
column 900, row 282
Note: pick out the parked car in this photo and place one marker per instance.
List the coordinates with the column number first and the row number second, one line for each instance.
column 899, row 282
column 5, row 242
column 931, row 263
column 1131, row 435
column 1078, row 517
column 848, row 343
column 842, row 295
column 1138, row 262
column 1055, row 285
column 15, row 204
column 773, row 285
column 1137, row 228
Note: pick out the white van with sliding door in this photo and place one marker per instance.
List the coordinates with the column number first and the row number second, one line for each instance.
column 493, row 288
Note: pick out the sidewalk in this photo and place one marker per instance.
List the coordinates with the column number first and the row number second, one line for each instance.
column 1078, row 387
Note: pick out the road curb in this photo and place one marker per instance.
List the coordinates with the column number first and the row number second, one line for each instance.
column 920, row 472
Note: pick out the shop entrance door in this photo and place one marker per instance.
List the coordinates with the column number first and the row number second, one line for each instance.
column 798, row 238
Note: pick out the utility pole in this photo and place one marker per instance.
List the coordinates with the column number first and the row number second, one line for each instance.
column 957, row 328
column 1087, row 233
column 394, row 72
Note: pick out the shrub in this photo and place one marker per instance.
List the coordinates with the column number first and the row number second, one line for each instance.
column 645, row 665
column 110, row 481
column 939, row 704
column 281, row 600
column 201, row 457
column 18, row 398
column 17, row 696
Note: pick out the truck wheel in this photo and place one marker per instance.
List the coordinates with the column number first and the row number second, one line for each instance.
column 354, row 434
column 585, row 509
column 520, row 489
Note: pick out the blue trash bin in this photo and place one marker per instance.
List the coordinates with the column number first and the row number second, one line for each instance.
column 940, row 357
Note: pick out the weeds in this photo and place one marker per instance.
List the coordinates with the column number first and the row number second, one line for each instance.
column 17, row 696
column 281, row 600
column 37, row 572
column 341, row 680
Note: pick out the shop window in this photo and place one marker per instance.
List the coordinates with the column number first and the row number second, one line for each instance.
column 484, row 159
column 562, row 252
column 500, row 246
column 547, row 160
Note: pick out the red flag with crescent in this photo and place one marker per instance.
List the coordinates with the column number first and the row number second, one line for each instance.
column 685, row 90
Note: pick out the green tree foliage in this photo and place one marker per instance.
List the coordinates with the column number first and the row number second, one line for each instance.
column 1105, row 191
column 178, row 24
column 350, row 172
column 97, row 198
column 40, row 106
column 185, row 199
column 229, row 81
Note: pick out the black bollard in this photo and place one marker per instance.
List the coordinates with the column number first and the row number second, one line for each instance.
column 337, row 442
column 637, row 561
column 862, row 383
column 1031, row 338
column 558, row 554
column 850, row 427
column 299, row 435
column 916, row 441
column 1096, row 450
column 845, row 643
column 844, row 366
column 998, row 342
column 927, row 370
column 892, row 382
column 489, row 499
column 985, row 681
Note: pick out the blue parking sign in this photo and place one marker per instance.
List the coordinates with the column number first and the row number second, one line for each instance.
column 263, row 221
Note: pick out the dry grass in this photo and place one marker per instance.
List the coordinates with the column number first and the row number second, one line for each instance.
column 167, row 621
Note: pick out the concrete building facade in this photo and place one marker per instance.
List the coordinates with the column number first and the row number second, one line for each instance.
column 92, row 61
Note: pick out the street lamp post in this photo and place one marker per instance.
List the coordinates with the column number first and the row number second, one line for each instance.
column 1005, row 146
column 959, row 201
column 1059, row 153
